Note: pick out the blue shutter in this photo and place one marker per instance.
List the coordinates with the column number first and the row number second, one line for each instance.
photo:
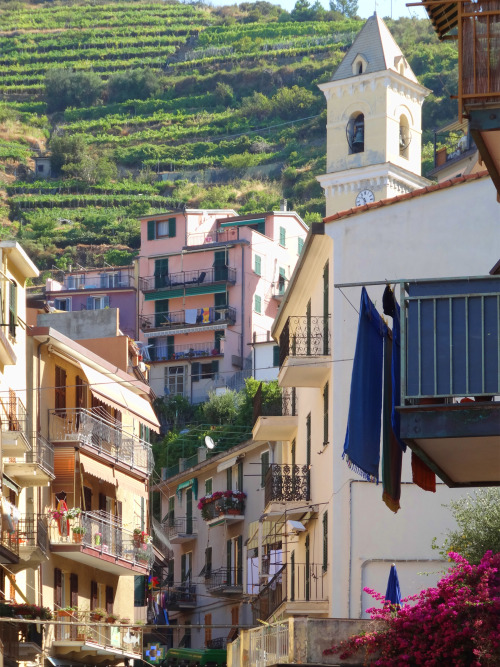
column 151, row 230
column 195, row 371
column 106, row 301
column 90, row 303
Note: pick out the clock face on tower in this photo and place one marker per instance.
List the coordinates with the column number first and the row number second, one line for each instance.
column 364, row 197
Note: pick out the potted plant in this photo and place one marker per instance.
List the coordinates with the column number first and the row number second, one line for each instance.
column 111, row 617
column 98, row 539
column 66, row 611
column 137, row 537
column 124, row 621
column 78, row 533
column 73, row 513
column 98, row 615
column 138, row 625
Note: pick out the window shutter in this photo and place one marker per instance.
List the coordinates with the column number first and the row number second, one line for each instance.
column 240, row 476
column 171, row 227
column 90, row 303
column 208, row 562
column 73, row 589
column 109, row 599
column 258, row 265
column 208, row 486
column 239, row 562
column 308, row 439
column 195, row 371
column 215, row 366
column 183, row 567
column 12, row 308
column 229, row 550
column 106, row 301
column 103, row 281
column 276, row 355
column 264, row 465
column 229, row 479
column 57, row 588
column 93, row 595
column 208, row 629
column 143, row 513
column 300, row 245
column 258, row 304
column 282, row 236
column 102, row 502
column 325, row 541
column 139, row 591
column 325, row 414
column 151, row 230
column 87, row 498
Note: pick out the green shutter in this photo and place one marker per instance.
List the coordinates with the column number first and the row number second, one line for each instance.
column 292, row 576
column 325, row 541
column 195, row 371
column 282, row 236
column 229, row 479
column 170, row 347
column 300, row 245
column 264, row 466
column 208, row 561
column 240, row 476
column 239, row 561
column 151, row 230
column 258, row 265
column 171, row 227
column 208, row 486
column 183, row 567
column 325, row 414
column 258, row 304
column 215, row 366
column 276, row 355
column 308, row 440
column 228, row 555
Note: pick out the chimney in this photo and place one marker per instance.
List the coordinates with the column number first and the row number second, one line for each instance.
column 283, row 205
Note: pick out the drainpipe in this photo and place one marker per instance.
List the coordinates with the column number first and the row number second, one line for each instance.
column 38, row 407
column 242, row 338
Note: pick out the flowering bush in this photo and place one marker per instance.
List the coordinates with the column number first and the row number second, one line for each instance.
column 142, row 536
column 457, row 623
column 72, row 513
column 32, row 611
column 236, row 496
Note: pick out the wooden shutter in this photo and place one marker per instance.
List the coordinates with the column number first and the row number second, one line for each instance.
column 258, row 304
column 172, row 227
column 151, row 230
column 90, row 303
column 215, row 367
column 308, row 439
column 102, row 502
column 239, row 560
column 229, row 479
column 195, row 371
column 325, row 541
column 57, row 588
column 12, row 308
column 60, row 389
column 109, row 599
column 208, row 630
column 282, row 236
column 183, row 567
column 73, row 589
column 264, row 465
column 325, row 415
column 229, row 559
column 208, row 562
column 93, row 595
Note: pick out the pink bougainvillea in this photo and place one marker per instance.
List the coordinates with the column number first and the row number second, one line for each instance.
column 457, row 623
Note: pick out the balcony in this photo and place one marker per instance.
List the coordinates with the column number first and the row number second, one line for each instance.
column 223, row 508
column 33, row 539
column 212, row 236
column 194, row 352
column 101, row 541
column 36, row 468
column 98, row 281
column 186, row 283
column 79, row 634
column 9, row 542
column 225, row 581
column 286, row 484
column 277, row 419
column 305, row 350
column 297, row 590
column 14, row 425
column 278, row 288
column 450, row 413
column 99, row 434
column 456, row 148
column 180, row 529
column 186, row 321
column 180, row 596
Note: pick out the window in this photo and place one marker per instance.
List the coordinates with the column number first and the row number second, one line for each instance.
column 161, row 229
column 257, row 265
column 208, row 562
column 229, row 479
column 109, row 280
column 40, row 168
column 204, row 371
column 12, row 308
column 283, row 237
column 325, row 541
column 300, row 244
column 60, row 390
column 208, row 486
column 356, row 133
column 325, row 415
column 404, row 137
column 258, row 304
column 63, row 304
column 239, row 476
column 174, row 380
column 97, row 302
column 264, row 467
column 276, row 355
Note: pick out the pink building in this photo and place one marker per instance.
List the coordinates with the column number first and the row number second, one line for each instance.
column 210, row 280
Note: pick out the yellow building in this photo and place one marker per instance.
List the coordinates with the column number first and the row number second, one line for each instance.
column 374, row 118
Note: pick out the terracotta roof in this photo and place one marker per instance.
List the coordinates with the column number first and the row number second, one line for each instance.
column 409, row 195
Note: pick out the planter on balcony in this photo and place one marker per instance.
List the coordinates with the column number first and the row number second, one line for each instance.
column 221, row 503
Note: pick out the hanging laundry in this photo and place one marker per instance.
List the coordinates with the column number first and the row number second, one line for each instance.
column 423, row 476
column 205, row 315
column 362, row 443
column 391, row 308
column 190, row 315
column 392, row 455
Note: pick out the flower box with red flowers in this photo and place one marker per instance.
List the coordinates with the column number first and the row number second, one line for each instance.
column 221, row 503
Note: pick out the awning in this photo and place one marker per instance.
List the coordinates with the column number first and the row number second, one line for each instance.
column 185, row 485
column 170, row 332
column 227, row 464
column 109, row 390
column 97, row 469
column 271, row 533
column 130, row 485
column 11, row 484
column 242, row 223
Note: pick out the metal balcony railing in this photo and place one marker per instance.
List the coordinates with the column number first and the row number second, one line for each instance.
column 178, row 319
column 104, row 534
column 42, row 453
column 267, row 646
column 213, row 236
column 77, row 626
column 184, row 525
column 101, row 280
column 195, row 351
column 91, row 429
column 218, row 642
column 221, row 506
column 172, row 281
column 304, row 336
column 287, row 483
column 32, row 532
column 8, row 536
column 284, row 405
column 225, row 579
column 13, row 415
column 180, row 596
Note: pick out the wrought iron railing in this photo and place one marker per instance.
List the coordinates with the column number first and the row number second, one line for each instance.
column 13, row 415
column 101, row 280
column 105, row 535
column 195, row 351
column 271, row 596
column 184, row 525
column 286, row 482
column 182, row 318
column 281, row 406
column 304, row 336
column 32, row 532
column 92, row 430
column 225, row 579
column 77, row 626
column 180, row 595
column 188, row 279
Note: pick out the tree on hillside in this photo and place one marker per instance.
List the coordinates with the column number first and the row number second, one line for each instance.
column 304, row 11
column 135, row 84
column 478, row 521
column 348, row 8
column 66, row 149
column 67, row 88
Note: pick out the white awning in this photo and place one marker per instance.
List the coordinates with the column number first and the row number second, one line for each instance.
column 227, row 464
column 172, row 332
column 108, row 389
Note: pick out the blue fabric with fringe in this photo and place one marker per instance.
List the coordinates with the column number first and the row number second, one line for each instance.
column 362, row 441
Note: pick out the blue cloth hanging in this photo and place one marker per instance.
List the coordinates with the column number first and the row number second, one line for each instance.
column 362, row 442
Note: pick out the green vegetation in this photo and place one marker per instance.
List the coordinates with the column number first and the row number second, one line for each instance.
column 225, row 99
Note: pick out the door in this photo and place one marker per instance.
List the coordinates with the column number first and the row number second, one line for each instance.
column 161, row 273
column 220, row 265
column 189, row 511
column 161, row 312
column 220, row 303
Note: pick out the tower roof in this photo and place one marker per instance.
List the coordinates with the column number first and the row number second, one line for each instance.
column 375, row 44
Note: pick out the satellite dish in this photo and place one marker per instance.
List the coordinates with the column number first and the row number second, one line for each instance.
column 209, row 443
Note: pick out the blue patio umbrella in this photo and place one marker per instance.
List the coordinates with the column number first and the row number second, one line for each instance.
column 393, row 593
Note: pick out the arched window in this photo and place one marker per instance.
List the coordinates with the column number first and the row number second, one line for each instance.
column 404, row 137
column 355, row 131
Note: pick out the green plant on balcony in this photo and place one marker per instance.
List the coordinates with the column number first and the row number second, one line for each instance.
column 31, row 611
column 97, row 615
column 111, row 617
column 79, row 530
column 221, row 502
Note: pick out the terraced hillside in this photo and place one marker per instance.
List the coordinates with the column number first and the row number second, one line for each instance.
column 222, row 104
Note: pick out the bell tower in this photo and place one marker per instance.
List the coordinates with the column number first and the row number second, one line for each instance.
column 374, row 123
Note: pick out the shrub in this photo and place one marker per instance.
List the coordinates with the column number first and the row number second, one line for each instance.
column 223, row 408
column 65, row 88
column 136, row 84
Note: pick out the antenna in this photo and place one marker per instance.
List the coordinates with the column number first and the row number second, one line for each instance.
column 209, row 443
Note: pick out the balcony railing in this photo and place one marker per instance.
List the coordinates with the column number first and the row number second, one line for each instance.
column 76, row 626
column 304, row 336
column 184, row 525
column 194, row 352
column 9, row 641
column 8, row 536
column 282, row 406
column 225, row 580
column 32, row 532
column 178, row 319
column 220, row 507
column 42, row 453
column 269, row 645
column 105, row 535
column 287, row 483
column 92, row 430
column 102, row 280
column 180, row 596
column 187, row 279
column 213, row 236
column 13, row 415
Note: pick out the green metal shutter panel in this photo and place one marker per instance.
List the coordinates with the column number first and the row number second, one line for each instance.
column 240, row 476
column 264, row 465
column 300, row 245
column 151, row 230
column 172, row 227
column 325, row 541
column 208, row 561
column 195, row 371
column 183, row 567
column 282, row 236
column 258, row 304
column 325, row 414
column 215, row 366
column 229, row 564
column 239, row 562
column 258, row 265
column 276, row 355
column 229, row 479
column 308, row 439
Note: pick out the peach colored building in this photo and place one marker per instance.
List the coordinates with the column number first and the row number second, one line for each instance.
column 210, row 282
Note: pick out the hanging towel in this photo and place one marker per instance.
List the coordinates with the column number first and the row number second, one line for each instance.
column 392, row 456
column 362, row 442
column 396, row 363
column 423, row 476
column 190, row 315
column 205, row 314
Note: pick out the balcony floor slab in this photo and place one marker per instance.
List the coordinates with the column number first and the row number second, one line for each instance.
column 99, row 559
column 225, row 519
column 27, row 474
column 180, row 538
column 275, row 428
column 14, row 443
column 307, row 371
